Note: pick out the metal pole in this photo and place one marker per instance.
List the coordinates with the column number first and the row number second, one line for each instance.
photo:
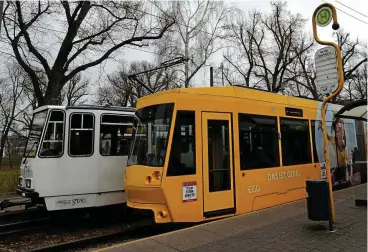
column 222, row 73
column 211, row 76
column 335, row 26
column 163, row 65
column 142, row 84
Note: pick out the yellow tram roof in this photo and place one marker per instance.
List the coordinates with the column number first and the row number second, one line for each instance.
column 237, row 92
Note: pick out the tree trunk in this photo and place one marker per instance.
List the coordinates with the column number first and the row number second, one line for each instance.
column 2, row 146
column 9, row 154
column 53, row 95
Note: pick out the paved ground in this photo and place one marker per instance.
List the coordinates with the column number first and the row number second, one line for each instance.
column 282, row 228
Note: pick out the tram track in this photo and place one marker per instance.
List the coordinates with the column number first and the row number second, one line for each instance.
column 126, row 232
column 28, row 214
column 75, row 234
column 60, row 232
column 22, row 226
column 139, row 230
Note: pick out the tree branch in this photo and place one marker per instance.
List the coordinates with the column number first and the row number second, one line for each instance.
column 24, row 31
column 111, row 50
column 348, row 74
column 67, row 11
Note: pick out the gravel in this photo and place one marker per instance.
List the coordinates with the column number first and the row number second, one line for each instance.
column 66, row 229
column 55, row 235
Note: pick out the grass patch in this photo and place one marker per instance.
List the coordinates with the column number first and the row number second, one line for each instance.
column 8, row 180
column 7, row 164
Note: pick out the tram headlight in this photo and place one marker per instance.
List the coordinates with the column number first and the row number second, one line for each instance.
column 20, row 181
column 162, row 214
column 157, row 175
column 28, row 183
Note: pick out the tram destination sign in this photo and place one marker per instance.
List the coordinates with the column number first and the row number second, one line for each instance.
column 326, row 70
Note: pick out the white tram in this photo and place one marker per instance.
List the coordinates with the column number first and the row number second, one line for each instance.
column 75, row 156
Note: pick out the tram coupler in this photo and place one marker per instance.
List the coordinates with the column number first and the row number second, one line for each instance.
column 6, row 203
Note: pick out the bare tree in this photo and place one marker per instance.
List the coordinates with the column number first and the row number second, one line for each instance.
column 118, row 89
column 240, row 55
column 355, row 88
column 266, row 47
column 304, row 72
column 11, row 105
column 75, row 90
column 360, row 83
column 195, row 34
column 354, row 61
column 277, row 49
column 353, row 53
column 122, row 91
column 90, row 33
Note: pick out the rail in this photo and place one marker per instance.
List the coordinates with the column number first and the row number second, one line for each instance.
column 131, row 232
column 23, row 226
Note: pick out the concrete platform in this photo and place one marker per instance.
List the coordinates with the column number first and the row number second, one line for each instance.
column 281, row 228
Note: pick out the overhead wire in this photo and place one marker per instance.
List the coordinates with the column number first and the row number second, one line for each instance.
column 352, row 9
column 348, row 14
column 352, row 16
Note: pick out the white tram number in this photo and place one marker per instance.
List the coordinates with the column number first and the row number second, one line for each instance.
column 254, row 188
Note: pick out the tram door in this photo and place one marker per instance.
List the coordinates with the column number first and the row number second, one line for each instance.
column 218, row 185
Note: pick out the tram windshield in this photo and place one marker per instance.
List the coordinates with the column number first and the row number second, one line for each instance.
column 151, row 132
column 35, row 132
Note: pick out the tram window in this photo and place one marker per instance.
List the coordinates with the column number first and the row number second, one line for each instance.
column 358, row 151
column 151, row 130
column 115, row 135
column 76, row 122
column 87, row 121
column 182, row 156
column 295, row 141
column 81, row 134
column 258, row 141
column 52, row 144
column 315, row 153
column 218, row 155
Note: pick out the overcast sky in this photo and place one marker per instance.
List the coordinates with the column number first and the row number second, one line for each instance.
column 304, row 7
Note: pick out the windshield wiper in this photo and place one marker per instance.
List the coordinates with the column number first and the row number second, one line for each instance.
column 25, row 159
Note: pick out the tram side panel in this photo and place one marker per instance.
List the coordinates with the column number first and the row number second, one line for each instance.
column 248, row 155
column 80, row 176
column 173, row 188
column 182, row 182
column 188, row 195
column 112, row 145
column 143, row 175
column 70, row 180
column 208, row 189
column 275, row 155
column 256, row 188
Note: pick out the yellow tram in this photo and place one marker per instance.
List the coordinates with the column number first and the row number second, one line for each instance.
column 205, row 153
